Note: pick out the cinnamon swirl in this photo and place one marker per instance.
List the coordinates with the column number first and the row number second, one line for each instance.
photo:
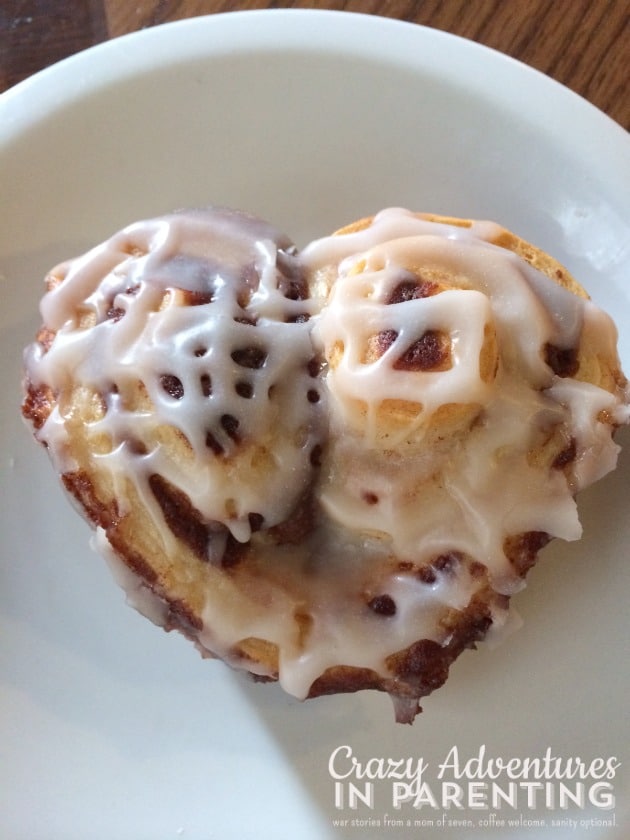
column 334, row 467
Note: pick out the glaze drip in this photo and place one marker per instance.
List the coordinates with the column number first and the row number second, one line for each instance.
column 357, row 442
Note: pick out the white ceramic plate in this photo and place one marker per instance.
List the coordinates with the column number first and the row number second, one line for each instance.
column 112, row 729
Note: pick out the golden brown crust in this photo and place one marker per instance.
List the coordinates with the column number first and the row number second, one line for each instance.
column 414, row 671
column 535, row 256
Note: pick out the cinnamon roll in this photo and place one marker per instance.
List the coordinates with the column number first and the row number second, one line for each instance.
column 330, row 467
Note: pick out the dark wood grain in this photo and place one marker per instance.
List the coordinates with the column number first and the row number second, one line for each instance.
column 36, row 33
column 584, row 44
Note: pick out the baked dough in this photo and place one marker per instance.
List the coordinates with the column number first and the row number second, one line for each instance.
column 334, row 467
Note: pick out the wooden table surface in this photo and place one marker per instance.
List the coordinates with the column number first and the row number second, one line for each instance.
column 585, row 44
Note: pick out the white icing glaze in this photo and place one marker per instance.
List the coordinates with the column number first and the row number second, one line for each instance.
column 155, row 335
column 427, row 487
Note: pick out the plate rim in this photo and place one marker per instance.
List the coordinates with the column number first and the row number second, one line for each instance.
column 142, row 51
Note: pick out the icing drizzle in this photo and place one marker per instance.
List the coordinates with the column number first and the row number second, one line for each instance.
column 396, row 376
